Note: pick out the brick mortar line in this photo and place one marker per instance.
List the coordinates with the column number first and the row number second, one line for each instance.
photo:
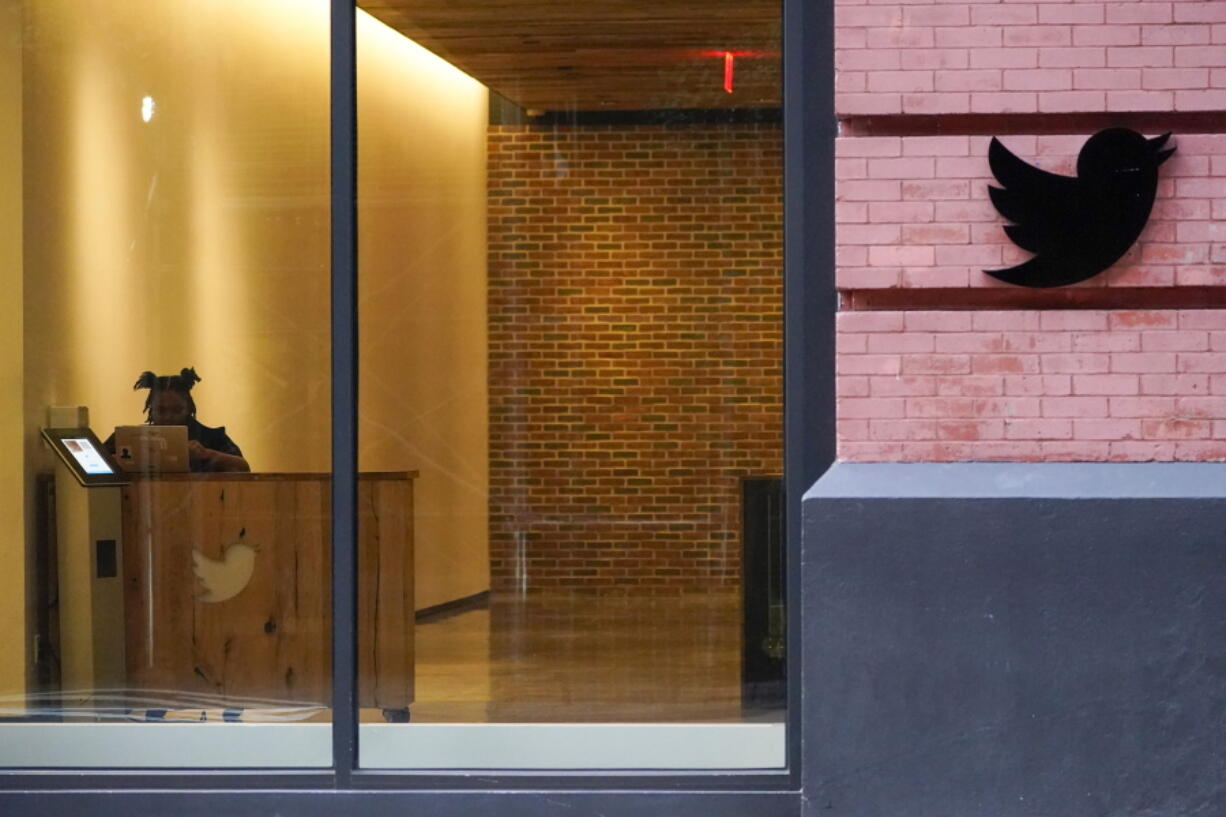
column 1031, row 299
column 993, row 124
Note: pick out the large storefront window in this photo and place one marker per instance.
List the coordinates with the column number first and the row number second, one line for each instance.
column 570, row 323
column 569, row 494
column 166, row 241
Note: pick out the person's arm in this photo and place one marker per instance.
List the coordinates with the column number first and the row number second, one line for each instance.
column 216, row 460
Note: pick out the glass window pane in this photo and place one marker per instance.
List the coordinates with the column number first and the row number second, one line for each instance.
column 171, row 163
column 570, row 285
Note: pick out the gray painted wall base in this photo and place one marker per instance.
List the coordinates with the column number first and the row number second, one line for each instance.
column 1018, row 640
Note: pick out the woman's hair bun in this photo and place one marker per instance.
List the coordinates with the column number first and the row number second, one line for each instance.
column 185, row 379
column 147, row 380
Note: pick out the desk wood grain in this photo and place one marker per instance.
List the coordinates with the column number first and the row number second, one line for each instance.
column 272, row 639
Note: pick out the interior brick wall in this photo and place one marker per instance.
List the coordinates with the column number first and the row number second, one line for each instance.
column 635, row 299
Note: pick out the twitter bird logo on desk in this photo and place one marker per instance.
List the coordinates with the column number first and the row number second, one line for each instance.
column 1077, row 227
column 223, row 579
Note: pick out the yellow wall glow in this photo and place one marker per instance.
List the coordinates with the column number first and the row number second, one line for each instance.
column 13, row 597
column 421, row 255
column 197, row 238
column 177, row 212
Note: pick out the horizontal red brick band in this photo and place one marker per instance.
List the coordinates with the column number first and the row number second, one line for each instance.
column 994, row 124
column 1127, row 385
column 1017, row 298
column 914, row 213
column 1021, row 57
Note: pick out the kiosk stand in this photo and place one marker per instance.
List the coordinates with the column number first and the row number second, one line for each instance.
column 89, row 553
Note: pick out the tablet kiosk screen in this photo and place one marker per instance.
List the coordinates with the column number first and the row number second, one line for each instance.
column 88, row 457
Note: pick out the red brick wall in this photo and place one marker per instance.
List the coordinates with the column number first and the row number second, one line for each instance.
column 914, row 212
column 1024, row 57
column 1032, row 385
column 938, row 361
column 635, row 302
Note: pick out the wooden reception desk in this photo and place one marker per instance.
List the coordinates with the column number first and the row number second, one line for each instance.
column 263, row 540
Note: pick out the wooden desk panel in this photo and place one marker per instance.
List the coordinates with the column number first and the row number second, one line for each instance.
column 272, row 639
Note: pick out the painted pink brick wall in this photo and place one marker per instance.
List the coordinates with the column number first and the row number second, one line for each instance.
column 1087, row 385
column 914, row 212
column 1017, row 56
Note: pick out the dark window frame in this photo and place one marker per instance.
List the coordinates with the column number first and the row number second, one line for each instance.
column 809, row 127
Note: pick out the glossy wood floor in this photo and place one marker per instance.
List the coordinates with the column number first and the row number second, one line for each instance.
column 535, row 659
column 584, row 659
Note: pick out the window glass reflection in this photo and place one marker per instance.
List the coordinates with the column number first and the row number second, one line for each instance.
column 167, row 274
column 570, row 286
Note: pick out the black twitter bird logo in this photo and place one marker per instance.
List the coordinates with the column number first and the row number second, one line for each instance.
column 1077, row 227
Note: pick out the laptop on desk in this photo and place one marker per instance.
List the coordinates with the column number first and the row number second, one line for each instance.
column 152, row 449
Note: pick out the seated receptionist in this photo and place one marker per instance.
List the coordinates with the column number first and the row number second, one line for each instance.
column 170, row 404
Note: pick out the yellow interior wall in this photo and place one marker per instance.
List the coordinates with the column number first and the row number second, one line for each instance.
column 201, row 238
column 13, row 612
column 421, row 213
column 197, row 238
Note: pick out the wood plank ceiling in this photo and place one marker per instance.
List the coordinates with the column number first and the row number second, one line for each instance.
column 603, row 55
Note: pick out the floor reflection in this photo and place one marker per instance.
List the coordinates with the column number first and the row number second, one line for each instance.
column 584, row 659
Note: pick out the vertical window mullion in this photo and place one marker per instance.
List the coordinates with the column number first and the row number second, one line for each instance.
column 810, row 301
column 344, row 390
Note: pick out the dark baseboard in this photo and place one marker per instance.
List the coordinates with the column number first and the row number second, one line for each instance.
column 437, row 612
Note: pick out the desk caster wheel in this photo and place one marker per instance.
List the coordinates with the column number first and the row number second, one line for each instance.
column 396, row 715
